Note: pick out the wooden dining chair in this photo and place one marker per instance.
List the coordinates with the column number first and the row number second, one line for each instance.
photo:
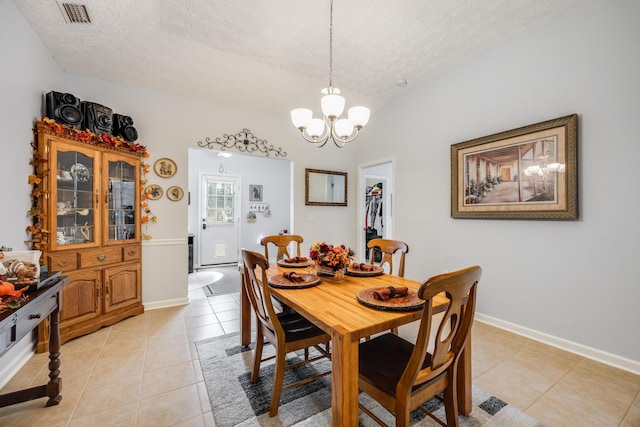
column 388, row 248
column 286, row 331
column 282, row 244
column 400, row 375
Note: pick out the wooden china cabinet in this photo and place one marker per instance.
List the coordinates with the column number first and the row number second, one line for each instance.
column 91, row 209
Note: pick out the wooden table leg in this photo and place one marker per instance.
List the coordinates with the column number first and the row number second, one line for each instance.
column 245, row 312
column 465, row 404
column 344, row 379
column 54, row 386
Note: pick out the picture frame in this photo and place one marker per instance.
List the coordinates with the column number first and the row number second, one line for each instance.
column 153, row 191
column 255, row 193
column 526, row 173
column 175, row 193
column 165, row 167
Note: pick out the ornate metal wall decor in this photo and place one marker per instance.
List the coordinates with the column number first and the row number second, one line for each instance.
column 243, row 141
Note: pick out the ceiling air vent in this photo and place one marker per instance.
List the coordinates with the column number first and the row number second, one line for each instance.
column 74, row 13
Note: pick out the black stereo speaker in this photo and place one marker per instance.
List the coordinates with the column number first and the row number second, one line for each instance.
column 64, row 108
column 97, row 118
column 123, row 126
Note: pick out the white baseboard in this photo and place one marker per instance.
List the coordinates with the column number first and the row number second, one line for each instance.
column 166, row 303
column 610, row 359
column 16, row 358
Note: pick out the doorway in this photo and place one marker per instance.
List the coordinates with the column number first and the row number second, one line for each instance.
column 219, row 230
column 375, row 197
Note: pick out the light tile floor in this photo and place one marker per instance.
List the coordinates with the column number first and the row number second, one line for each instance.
column 144, row 371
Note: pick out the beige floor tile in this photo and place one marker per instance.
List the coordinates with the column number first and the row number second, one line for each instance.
column 165, row 379
column 160, row 359
column 197, row 370
column 159, row 342
column 115, row 367
column 170, row 408
column 122, row 416
column 103, row 396
column 94, row 340
column 208, row 420
column 204, row 332
column 34, row 413
column 225, row 306
column 587, row 397
column 195, row 321
column 632, row 419
column 141, row 320
column 200, row 310
column 193, row 422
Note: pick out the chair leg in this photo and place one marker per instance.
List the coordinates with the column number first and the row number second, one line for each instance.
column 451, row 403
column 257, row 355
column 278, row 378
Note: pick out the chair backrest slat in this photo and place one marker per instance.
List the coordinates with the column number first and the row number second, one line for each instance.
column 282, row 243
column 388, row 247
column 257, row 289
column 453, row 330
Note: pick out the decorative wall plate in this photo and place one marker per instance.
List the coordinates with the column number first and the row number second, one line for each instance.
column 153, row 191
column 175, row 193
column 165, row 168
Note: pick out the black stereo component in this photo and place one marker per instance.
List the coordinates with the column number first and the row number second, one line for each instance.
column 64, row 108
column 97, row 118
column 123, row 127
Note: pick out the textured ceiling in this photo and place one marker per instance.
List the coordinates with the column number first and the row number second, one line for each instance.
column 273, row 55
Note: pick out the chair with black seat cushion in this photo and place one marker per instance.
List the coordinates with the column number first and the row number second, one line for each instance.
column 287, row 331
column 282, row 244
column 388, row 248
column 400, row 375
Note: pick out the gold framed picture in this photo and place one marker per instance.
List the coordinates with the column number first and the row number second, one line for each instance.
column 153, row 191
column 175, row 193
column 165, row 168
column 525, row 173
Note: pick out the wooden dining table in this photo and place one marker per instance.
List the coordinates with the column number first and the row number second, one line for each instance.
column 335, row 309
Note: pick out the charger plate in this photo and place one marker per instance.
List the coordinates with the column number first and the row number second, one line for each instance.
column 377, row 271
column 409, row 302
column 283, row 263
column 310, row 280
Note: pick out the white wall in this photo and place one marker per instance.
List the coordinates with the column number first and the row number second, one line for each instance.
column 573, row 280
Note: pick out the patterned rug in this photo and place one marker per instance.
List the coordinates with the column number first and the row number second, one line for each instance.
column 236, row 402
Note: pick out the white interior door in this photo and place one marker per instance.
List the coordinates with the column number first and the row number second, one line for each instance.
column 219, row 230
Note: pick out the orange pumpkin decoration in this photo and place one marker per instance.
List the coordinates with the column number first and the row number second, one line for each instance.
column 7, row 288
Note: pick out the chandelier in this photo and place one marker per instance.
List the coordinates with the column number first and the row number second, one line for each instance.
column 330, row 127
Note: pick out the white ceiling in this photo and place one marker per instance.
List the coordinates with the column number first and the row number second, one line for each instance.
column 273, row 55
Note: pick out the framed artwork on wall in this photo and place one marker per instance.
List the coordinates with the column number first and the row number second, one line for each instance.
column 165, row 168
column 255, row 193
column 525, row 173
column 153, row 191
column 175, row 193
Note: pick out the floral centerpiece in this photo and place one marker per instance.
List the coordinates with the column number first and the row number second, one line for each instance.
column 329, row 258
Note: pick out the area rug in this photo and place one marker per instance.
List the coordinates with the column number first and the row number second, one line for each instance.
column 217, row 280
column 226, row 367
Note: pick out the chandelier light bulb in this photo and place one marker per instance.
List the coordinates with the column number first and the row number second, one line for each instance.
column 315, row 128
column 332, row 106
column 343, row 128
column 359, row 116
column 301, row 117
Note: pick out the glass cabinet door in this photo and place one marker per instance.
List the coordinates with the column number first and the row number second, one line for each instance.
column 74, row 196
column 122, row 199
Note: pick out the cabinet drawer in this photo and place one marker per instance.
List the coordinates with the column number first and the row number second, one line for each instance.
column 34, row 315
column 131, row 253
column 63, row 262
column 101, row 256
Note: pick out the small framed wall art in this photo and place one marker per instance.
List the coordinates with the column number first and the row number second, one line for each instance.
column 255, row 193
column 175, row 193
column 153, row 191
column 165, row 168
